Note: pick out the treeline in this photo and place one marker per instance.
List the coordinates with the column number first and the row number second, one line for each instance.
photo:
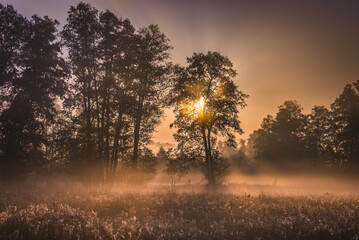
column 81, row 98
column 87, row 99
column 327, row 136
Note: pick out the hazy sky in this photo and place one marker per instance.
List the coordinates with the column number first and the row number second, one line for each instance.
column 282, row 50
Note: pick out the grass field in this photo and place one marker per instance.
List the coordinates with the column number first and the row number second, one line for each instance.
column 175, row 214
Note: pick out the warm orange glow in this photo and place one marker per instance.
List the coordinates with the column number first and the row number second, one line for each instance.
column 200, row 106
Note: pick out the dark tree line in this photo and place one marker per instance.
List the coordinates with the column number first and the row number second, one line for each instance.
column 88, row 98
column 88, row 109
column 118, row 89
column 325, row 135
column 32, row 79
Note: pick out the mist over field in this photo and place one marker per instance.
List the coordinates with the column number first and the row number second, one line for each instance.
column 264, row 181
column 275, row 205
column 179, row 120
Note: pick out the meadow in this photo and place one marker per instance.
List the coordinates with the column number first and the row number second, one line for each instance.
column 175, row 213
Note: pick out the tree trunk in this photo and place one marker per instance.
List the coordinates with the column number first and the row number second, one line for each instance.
column 114, row 155
column 136, row 134
column 100, row 161
column 209, row 162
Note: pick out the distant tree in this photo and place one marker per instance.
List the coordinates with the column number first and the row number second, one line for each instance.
column 289, row 126
column 206, row 102
column 317, row 134
column 263, row 142
column 33, row 92
column 242, row 153
column 346, row 123
column 281, row 138
column 177, row 164
column 162, row 156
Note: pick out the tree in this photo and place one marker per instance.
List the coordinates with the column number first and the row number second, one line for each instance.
column 317, row 133
column 117, row 60
column 346, row 123
column 80, row 36
column 263, row 142
column 206, row 102
column 33, row 92
column 150, row 84
column 12, row 26
column 281, row 138
column 289, row 127
column 117, row 95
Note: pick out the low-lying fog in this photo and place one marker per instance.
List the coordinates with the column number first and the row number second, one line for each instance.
column 259, row 184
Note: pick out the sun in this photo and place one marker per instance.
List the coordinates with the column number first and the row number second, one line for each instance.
column 200, row 106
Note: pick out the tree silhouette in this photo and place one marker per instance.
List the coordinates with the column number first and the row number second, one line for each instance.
column 12, row 26
column 117, row 58
column 80, row 36
column 149, row 85
column 117, row 95
column 346, row 122
column 99, row 109
column 317, row 134
column 32, row 92
column 205, row 104
column 281, row 138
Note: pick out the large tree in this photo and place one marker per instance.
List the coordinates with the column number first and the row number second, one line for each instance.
column 117, row 93
column 117, row 61
column 12, row 26
column 32, row 93
column 80, row 35
column 346, row 123
column 150, row 84
column 206, row 102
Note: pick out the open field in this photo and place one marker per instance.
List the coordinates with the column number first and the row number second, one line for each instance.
column 184, row 212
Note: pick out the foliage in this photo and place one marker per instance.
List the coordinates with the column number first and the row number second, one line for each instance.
column 281, row 137
column 34, row 81
column 325, row 135
column 150, row 85
column 205, row 101
column 345, row 111
column 119, row 87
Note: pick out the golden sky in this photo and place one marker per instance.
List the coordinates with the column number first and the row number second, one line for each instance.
column 282, row 50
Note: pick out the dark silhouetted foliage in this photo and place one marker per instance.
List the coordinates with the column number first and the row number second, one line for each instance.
column 322, row 136
column 33, row 83
column 205, row 101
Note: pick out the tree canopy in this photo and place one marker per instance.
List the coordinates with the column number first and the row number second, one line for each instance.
column 324, row 135
column 206, row 102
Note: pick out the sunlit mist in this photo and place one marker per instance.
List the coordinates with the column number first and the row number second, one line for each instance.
column 204, row 119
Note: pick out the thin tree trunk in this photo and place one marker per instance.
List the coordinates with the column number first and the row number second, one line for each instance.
column 107, row 138
column 137, row 132
column 211, row 161
column 99, row 162
column 114, row 155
